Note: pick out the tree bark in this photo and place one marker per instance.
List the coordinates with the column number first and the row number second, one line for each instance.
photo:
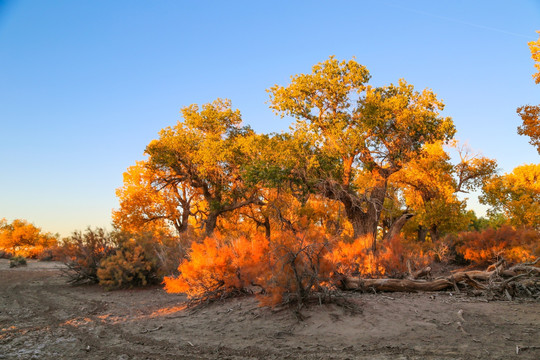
column 397, row 225
column 210, row 223
column 267, row 228
column 362, row 211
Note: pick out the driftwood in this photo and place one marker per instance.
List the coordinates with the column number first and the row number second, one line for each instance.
column 497, row 281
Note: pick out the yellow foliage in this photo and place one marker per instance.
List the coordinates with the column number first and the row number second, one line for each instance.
column 530, row 114
column 534, row 46
column 517, row 194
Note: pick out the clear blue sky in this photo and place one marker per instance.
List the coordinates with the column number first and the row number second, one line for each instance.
column 85, row 85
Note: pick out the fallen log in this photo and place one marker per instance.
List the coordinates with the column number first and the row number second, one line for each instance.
column 395, row 285
column 485, row 281
column 473, row 274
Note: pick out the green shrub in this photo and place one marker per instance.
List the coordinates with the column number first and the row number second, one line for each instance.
column 17, row 261
column 129, row 266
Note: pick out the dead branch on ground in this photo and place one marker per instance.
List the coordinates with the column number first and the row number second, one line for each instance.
column 498, row 281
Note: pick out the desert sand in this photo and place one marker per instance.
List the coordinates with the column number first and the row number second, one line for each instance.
column 43, row 317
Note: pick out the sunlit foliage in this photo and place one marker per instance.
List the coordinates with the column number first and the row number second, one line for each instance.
column 517, row 195
column 534, row 46
column 353, row 129
column 205, row 153
column 23, row 238
column 530, row 114
column 219, row 267
column 488, row 246
column 430, row 184
column 149, row 203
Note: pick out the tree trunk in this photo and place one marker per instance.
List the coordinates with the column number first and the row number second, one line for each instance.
column 361, row 222
column 181, row 225
column 434, row 232
column 397, row 225
column 210, row 223
column 422, row 233
column 362, row 211
column 366, row 222
column 267, row 229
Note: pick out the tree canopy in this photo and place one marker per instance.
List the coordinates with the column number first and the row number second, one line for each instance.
column 355, row 129
column 530, row 114
column 207, row 153
column 517, row 194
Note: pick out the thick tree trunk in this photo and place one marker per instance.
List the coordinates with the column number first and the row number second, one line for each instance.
column 397, row 225
column 361, row 222
column 210, row 223
column 362, row 211
column 366, row 222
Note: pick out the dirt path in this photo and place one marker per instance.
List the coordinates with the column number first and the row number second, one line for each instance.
column 41, row 317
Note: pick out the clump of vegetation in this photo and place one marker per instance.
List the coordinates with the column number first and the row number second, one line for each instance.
column 83, row 252
column 332, row 199
column 220, row 267
column 17, row 261
column 119, row 259
column 127, row 267
column 5, row 254
column 490, row 245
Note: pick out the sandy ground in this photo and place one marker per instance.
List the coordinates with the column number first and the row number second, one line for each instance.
column 42, row 317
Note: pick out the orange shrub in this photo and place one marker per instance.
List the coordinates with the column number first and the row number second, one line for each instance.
column 357, row 258
column 354, row 258
column 218, row 267
column 291, row 264
column 483, row 247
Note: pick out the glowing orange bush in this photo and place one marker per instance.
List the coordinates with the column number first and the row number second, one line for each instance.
column 357, row 258
column 289, row 263
column 217, row 267
column 486, row 246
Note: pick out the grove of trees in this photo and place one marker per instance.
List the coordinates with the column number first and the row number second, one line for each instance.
column 362, row 184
